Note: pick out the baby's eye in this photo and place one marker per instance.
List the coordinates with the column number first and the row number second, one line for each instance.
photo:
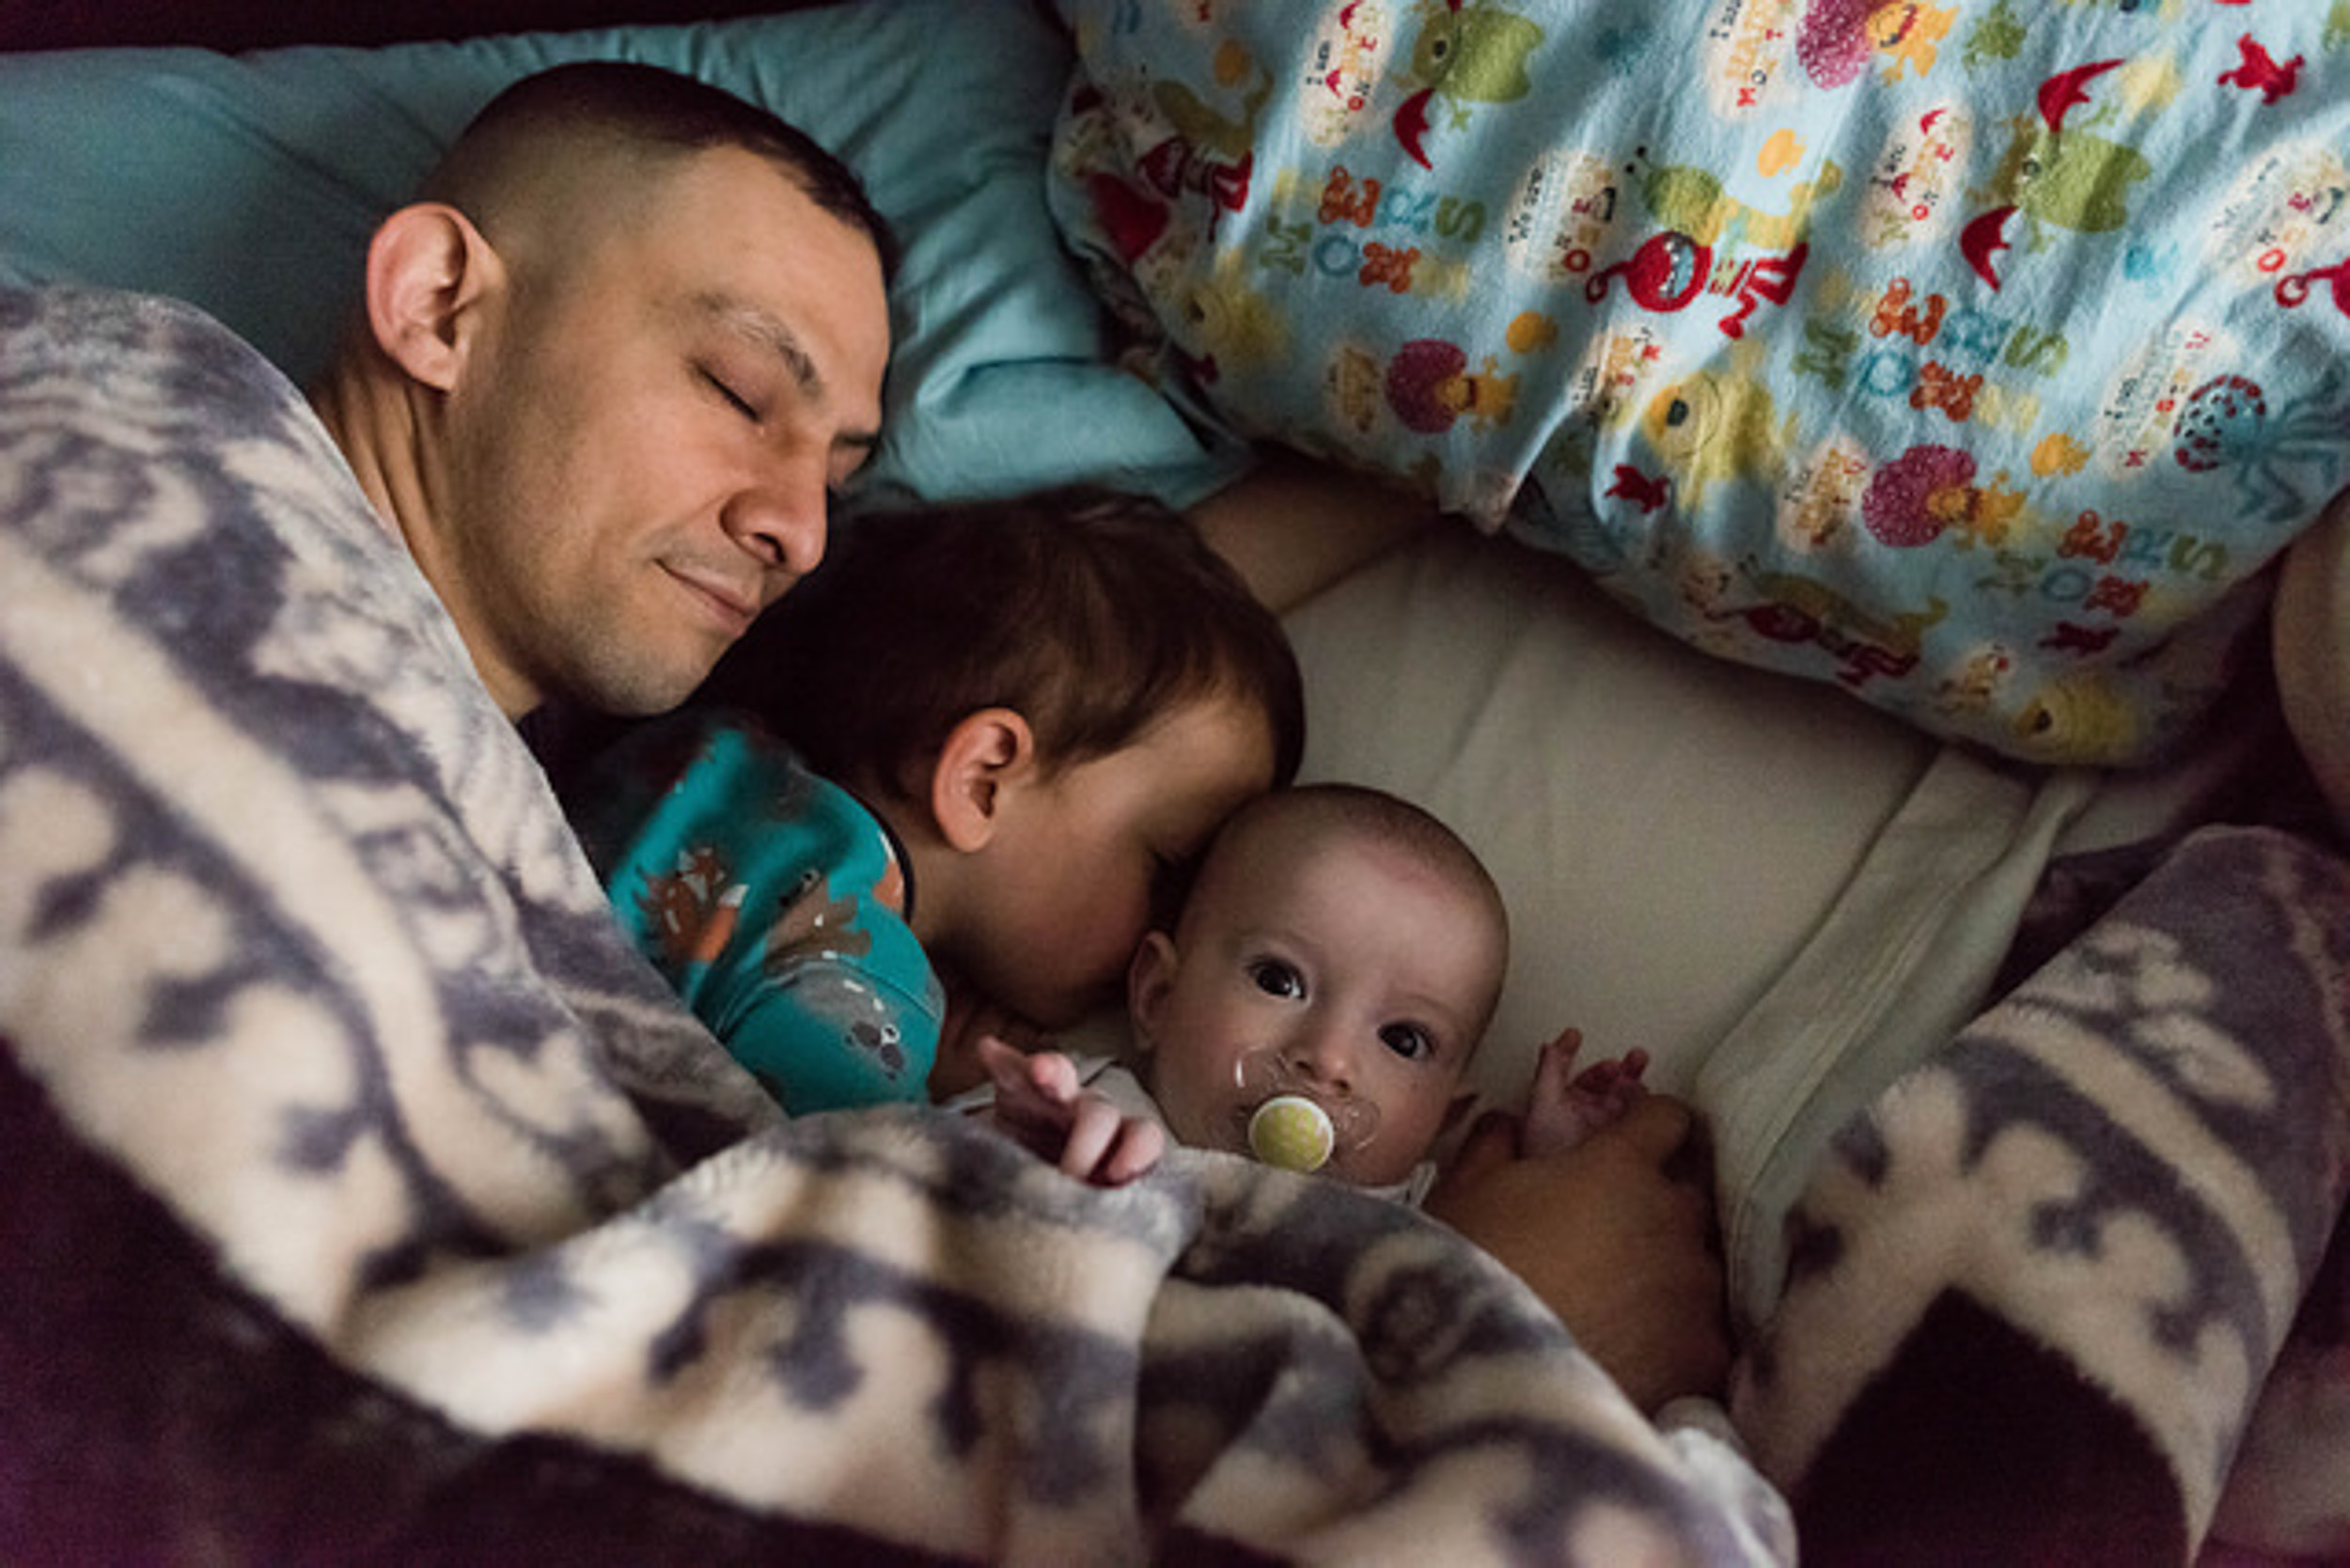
column 1276, row 979
column 1408, row 1040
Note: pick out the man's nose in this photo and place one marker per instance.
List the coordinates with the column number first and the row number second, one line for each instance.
column 781, row 523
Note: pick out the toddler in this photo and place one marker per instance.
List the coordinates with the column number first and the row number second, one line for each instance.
column 955, row 773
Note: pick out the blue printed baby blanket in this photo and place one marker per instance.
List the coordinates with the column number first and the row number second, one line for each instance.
column 1976, row 357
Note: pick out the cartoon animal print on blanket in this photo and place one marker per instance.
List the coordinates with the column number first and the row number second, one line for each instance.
column 1975, row 358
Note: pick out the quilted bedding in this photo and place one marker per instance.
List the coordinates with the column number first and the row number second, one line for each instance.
column 1973, row 357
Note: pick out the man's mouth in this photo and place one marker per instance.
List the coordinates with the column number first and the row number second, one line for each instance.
column 727, row 604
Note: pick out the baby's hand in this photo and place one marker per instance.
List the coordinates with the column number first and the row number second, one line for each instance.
column 1040, row 1105
column 1567, row 1107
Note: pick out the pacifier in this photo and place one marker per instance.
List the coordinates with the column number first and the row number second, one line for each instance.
column 1296, row 1125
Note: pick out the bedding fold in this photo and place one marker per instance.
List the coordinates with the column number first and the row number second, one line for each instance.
column 2036, row 1288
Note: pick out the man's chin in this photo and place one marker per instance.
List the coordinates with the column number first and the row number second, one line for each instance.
column 640, row 692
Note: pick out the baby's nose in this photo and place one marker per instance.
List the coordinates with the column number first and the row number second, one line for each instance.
column 1324, row 1057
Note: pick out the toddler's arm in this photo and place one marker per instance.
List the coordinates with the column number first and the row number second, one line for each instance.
column 1567, row 1107
column 1039, row 1103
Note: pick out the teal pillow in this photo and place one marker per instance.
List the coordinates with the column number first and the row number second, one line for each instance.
column 249, row 185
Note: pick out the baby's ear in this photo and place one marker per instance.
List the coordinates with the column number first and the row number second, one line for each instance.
column 1150, row 980
column 987, row 757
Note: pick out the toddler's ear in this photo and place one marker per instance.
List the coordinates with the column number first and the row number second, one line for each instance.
column 986, row 756
column 1150, row 980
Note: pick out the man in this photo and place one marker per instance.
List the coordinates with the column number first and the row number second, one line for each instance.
column 613, row 362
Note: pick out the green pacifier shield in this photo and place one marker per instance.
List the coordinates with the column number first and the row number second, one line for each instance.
column 1292, row 1131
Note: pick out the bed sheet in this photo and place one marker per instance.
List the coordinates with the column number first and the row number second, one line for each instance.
column 1787, row 898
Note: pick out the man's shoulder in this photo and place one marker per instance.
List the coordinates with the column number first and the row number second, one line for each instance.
column 173, row 474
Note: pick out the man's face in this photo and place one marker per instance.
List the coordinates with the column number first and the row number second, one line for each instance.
column 640, row 449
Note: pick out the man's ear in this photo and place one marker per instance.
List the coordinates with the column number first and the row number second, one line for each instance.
column 988, row 756
column 427, row 266
column 1150, row 980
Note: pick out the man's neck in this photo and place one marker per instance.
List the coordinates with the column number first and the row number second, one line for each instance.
column 375, row 426
column 354, row 412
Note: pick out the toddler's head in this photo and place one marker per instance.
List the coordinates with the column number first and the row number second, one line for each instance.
column 1053, row 701
column 1339, row 943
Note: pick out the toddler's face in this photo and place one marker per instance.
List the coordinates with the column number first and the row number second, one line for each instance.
column 1077, row 872
column 1364, row 973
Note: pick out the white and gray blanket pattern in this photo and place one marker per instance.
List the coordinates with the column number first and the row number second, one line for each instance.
column 2063, row 1257
column 296, row 952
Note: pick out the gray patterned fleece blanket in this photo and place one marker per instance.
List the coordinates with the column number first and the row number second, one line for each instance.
column 362, row 1197
column 2078, row 1290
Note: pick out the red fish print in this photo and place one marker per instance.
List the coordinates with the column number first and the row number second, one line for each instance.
column 2261, row 73
column 1637, row 487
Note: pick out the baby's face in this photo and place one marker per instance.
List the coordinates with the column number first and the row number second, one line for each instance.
column 1361, row 971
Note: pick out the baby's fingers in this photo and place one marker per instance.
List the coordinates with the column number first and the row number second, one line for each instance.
column 1553, row 1070
column 1054, row 1075
column 1107, row 1147
column 1140, row 1143
column 1007, row 1066
column 1093, row 1128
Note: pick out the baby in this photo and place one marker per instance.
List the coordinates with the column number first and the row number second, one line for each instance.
column 1315, row 1004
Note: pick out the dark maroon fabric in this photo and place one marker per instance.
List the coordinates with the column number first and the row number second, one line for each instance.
column 151, row 1411
column 267, row 24
column 2027, row 1465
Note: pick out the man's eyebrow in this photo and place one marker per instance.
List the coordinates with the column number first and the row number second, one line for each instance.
column 763, row 329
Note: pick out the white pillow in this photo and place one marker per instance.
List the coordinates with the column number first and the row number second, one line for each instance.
column 1786, row 897
column 1666, row 829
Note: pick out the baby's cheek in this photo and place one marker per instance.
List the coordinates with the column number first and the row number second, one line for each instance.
column 1200, row 1120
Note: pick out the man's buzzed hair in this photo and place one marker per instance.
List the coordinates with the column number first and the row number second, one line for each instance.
column 625, row 104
